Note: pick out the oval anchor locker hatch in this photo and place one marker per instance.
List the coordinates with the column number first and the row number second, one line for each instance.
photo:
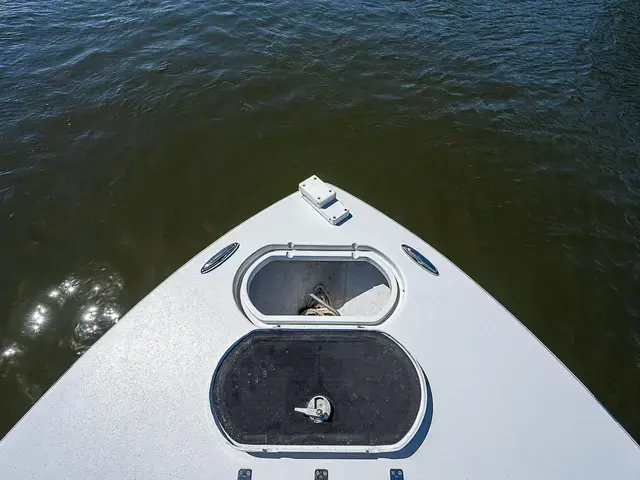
column 329, row 390
column 277, row 286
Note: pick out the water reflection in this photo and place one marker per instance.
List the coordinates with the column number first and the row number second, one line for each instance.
column 89, row 306
column 64, row 318
column 10, row 351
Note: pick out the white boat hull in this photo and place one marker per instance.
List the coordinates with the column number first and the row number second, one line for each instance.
column 137, row 404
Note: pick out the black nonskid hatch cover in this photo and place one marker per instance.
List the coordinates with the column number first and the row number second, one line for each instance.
column 372, row 386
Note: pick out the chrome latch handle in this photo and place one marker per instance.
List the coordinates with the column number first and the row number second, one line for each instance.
column 318, row 409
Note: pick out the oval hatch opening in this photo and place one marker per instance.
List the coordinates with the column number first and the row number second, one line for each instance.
column 277, row 288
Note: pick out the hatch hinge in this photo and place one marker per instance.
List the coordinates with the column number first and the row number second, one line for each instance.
column 244, row 474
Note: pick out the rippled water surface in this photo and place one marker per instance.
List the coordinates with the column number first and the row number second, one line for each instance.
column 506, row 134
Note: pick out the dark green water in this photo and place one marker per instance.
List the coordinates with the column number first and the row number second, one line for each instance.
column 506, row 134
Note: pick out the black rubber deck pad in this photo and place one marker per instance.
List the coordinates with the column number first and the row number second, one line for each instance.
column 372, row 384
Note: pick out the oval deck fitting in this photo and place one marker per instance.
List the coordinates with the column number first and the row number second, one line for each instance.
column 420, row 259
column 220, row 257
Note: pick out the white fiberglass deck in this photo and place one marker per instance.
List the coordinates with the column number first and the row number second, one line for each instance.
column 137, row 404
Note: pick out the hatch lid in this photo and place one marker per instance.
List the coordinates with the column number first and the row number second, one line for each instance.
column 318, row 390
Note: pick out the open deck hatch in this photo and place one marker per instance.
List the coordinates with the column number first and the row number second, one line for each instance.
column 361, row 285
